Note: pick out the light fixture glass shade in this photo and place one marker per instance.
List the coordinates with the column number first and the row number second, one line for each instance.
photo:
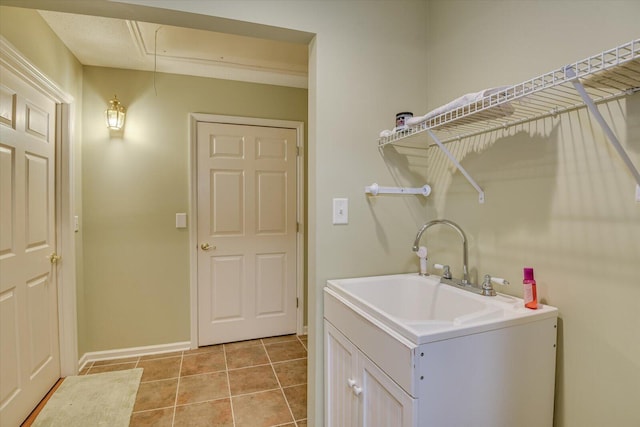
column 114, row 114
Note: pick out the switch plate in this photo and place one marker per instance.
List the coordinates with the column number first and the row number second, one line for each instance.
column 181, row 220
column 340, row 211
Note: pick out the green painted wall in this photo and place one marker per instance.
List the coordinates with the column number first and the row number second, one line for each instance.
column 559, row 198
column 136, row 263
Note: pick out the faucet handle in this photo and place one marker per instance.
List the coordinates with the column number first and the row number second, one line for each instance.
column 446, row 271
column 487, row 287
column 500, row 281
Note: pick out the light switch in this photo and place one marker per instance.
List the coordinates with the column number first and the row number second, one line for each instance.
column 181, row 220
column 340, row 211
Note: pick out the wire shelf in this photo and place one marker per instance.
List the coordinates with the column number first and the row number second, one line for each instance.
column 609, row 75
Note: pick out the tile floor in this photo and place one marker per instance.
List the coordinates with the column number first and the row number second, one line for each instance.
column 257, row 383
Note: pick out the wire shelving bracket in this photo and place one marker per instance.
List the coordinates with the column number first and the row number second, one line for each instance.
column 609, row 75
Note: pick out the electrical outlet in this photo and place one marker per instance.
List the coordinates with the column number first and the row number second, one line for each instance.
column 340, row 211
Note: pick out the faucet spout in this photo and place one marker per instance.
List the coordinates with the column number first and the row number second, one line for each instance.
column 465, row 250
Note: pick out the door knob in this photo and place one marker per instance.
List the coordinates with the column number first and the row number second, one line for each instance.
column 54, row 258
column 206, row 247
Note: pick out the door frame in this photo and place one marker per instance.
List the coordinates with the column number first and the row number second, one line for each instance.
column 194, row 118
column 19, row 64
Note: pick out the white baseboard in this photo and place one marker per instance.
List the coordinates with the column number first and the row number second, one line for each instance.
column 132, row 352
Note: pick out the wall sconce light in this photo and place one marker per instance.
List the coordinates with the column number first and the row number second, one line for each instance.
column 114, row 114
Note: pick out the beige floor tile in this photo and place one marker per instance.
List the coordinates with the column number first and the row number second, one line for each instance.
column 161, row 355
column 281, row 338
column 303, row 339
column 203, row 387
column 160, row 369
column 297, row 399
column 115, row 361
column 292, row 372
column 199, row 382
column 242, row 344
column 153, row 418
column 251, row 380
column 246, row 356
column 156, row 395
column 111, row 368
column 215, row 413
column 263, row 409
column 282, row 351
column 202, row 363
column 206, row 349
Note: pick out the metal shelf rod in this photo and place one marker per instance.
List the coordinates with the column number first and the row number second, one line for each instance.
column 459, row 166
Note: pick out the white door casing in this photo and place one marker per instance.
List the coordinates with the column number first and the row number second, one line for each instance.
column 246, row 235
column 29, row 337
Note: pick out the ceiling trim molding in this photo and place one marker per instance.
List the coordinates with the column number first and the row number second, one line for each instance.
column 212, row 68
column 136, row 37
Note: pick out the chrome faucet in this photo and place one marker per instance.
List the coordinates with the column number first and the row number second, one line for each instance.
column 465, row 251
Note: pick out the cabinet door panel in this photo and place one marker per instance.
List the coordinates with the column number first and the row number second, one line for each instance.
column 340, row 368
column 384, row 403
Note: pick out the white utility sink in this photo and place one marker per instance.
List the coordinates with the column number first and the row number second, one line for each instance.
column 406, row 350
column 422, row 309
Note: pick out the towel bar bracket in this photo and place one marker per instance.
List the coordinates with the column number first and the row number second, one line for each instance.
column 374, row 189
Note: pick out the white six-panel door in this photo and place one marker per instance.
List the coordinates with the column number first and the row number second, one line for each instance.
column 29, row 346
column 246, row 191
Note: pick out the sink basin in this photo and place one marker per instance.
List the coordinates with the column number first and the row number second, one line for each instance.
column 422, row 309
column 414, row 298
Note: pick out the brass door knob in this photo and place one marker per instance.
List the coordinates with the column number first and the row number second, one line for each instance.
column 54, row 258
column 206, row 247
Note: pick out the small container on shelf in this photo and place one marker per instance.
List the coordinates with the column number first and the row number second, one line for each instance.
column 401, row 119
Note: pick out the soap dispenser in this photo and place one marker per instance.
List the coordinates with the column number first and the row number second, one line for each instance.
column 530, row 293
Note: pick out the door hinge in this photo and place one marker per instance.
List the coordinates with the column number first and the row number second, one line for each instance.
column 297, row 227
column 297, row 150
column 297, row 301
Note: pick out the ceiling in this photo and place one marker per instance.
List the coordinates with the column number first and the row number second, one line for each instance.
column 118, row 43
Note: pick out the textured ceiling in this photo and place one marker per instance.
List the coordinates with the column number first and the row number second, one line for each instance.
column 109, row 42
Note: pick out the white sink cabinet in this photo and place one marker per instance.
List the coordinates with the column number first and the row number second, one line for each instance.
column 358, row 392
column 496, row 372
